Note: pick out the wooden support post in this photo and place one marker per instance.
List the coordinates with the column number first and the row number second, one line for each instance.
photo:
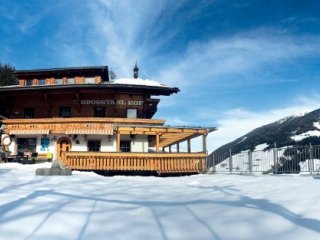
column 204, row 143
column 157, row 142
column 169, row 148
column 118, row 141
column 178, row 147
column 189, row 145
column 45, row 97
column 77, row 100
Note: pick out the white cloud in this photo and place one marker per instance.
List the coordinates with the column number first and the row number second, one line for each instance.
column 124, row 29
column 245, row 54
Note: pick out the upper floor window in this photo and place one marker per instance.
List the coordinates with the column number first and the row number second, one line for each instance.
column 65, row 112
column 99, row 111
column 58, row 81
column 70, row 81
column 28, row 113
column 41, row 82
column 94, row 145
column 29, row 82
column 131, row 113
column 89, row 80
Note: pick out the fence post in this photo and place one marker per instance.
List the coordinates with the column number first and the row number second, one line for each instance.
column 230, row 161
column 275, row 159
column 250, row 161
column 311, row 162
column 213, row 163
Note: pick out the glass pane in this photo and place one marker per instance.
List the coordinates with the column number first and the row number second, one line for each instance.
column 26, row 144
column 29, row 113
column 131, row 113
column 125, row 146
column 70, row 80
column 89, row 80
column 29, row 82
column 99, row 112
column 58, row 81
column 42, row 82
column 94, row 145
column 65, row 112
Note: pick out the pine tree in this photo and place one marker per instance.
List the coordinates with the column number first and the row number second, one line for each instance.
column 7, row 75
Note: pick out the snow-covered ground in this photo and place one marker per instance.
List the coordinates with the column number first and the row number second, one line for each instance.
column 219, row 206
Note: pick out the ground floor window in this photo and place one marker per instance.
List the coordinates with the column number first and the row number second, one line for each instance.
column 27, row 144
column 94, row 145
column 44, row 144
column 125, row 146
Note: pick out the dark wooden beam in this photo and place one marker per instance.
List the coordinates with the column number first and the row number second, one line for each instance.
column 189, row 145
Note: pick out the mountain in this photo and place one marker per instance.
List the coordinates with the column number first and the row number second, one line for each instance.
column 290, row 131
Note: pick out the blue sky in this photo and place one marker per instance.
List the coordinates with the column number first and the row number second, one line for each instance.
column 239, row 64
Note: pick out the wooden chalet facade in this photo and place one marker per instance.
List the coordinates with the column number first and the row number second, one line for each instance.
column 89, row 122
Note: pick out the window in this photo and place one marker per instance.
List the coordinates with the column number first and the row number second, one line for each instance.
column 58, row 81
column 99, row 111
column 131, row 113
column 44, row 144
column 3, row 111
column 125, row 146
column 90, row 80
column 94, row 145
column 41, row 82
column 27, row 144
column 29, row 113
column 70, row 81
column 29, row 82
column 65, row 112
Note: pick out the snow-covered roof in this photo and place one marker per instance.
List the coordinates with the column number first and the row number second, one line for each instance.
column 138, row 81
column 125, row 83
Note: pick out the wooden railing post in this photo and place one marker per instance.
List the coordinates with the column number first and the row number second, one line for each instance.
column 118, row 141
column 157, row 142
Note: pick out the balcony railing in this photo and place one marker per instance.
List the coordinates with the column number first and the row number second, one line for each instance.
column 156, row 162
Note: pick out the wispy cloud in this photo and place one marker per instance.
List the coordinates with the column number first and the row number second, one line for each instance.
column 247, row 55
column 30, row 22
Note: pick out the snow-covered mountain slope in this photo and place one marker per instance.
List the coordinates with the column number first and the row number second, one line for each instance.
column 290, row 131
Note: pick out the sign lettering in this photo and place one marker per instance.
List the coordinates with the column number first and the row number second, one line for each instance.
column 112, row 102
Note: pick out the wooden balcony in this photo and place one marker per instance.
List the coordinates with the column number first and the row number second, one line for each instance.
column 153, row 162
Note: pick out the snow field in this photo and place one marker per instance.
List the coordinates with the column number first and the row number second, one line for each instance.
column 218, row 206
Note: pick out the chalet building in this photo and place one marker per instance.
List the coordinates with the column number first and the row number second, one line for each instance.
column 88, row 121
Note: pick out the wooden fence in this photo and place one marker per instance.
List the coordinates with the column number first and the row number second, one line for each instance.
column 158, row 162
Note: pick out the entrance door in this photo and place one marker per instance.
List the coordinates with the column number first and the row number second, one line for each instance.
column 63, row 145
